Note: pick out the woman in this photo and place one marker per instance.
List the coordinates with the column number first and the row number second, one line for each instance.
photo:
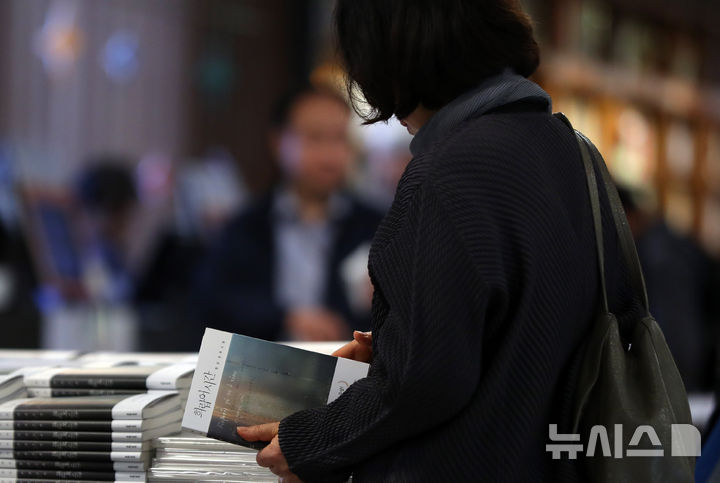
column 484, row 269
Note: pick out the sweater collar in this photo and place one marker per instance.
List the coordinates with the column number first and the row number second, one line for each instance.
column 495, row 92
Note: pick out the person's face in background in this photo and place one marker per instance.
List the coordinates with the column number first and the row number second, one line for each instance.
column 314, row 148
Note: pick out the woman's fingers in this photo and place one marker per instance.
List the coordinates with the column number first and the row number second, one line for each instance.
column 364, row 338
column 271, row 457
column 347, row 351
column 261, row 432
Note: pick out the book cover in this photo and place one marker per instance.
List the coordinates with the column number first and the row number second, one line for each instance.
column 98, row 408
column 104, row 466
column 107, row 436
column 55, row 392
column 140, row 456
column 107, row 446
column 72, row 475
column 172, row 377
column 116, row 425
column 242, row 381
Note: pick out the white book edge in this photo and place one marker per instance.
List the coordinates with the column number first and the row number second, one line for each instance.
column 347, row 371
column 170, row 377
column 39, row 391
column 7, row 409
column 130, row 476
column 136, row 425
column 126, row 456
column 147, row 435
column 128, row 466
column 134, row 407
column 42, row 378
column 206, row 381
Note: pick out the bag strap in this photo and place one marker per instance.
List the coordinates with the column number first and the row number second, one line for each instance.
column 591, row 156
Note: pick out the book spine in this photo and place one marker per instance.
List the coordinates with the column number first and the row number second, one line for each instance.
column 134, row 407
column 104, row 466
column 41, row 378
column 54, row 392
column 98, row 382
column 99, row 426
column 70, row 445
column 206, row 380
column 73, row 455
column 64, row 414
column 59, row 474
column 168, row 378
column 127, row 425
column 57, row 435
column 8, row 408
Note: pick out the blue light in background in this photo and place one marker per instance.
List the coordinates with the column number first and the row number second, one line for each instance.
column 120, row 56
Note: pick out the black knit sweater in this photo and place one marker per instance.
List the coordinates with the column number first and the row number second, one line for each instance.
column 485, row 283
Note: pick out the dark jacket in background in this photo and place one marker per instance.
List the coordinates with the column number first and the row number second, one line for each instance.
column 236, row 290
column 485, row 279
column 19, row 317
column 682, row 288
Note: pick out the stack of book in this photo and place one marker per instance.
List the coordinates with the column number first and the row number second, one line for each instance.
column 110, row 381
column 188, row 457
column 103, row 438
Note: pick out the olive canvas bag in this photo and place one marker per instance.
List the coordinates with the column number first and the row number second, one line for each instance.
column 629, row 404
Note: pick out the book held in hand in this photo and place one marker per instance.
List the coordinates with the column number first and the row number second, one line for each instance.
column 242, row 381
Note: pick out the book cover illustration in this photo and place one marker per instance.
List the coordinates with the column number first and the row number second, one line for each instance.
column 242, row 381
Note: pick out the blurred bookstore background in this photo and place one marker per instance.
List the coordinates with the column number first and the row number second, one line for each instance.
column 146, row 124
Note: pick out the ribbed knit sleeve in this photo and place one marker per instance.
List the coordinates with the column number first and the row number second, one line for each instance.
column 427, row 351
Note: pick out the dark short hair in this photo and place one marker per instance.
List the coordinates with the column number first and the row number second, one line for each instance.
column 107, row 185
column 287, row 102
column 404, row 53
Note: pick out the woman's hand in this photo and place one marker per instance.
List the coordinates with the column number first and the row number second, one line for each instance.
column 271, row 457
column 359, row 349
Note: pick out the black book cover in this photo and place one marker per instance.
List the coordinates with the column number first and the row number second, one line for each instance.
column 125, row 377
column 96, row 426
column 102, row 466
column 96, row 408
column 91, row 408
column 77, row 455
column 172, row 377
column 62, row 475
column 74, row 445
column 61, row 436
column 72, row 392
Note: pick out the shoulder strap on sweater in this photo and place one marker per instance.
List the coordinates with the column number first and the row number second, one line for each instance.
column 591, row 156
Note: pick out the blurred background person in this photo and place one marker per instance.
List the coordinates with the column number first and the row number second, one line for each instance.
column 108, row 198
column 276, row 272
column 682, row 284
column 88, row 303
column 19, row 316
column 194, row 201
